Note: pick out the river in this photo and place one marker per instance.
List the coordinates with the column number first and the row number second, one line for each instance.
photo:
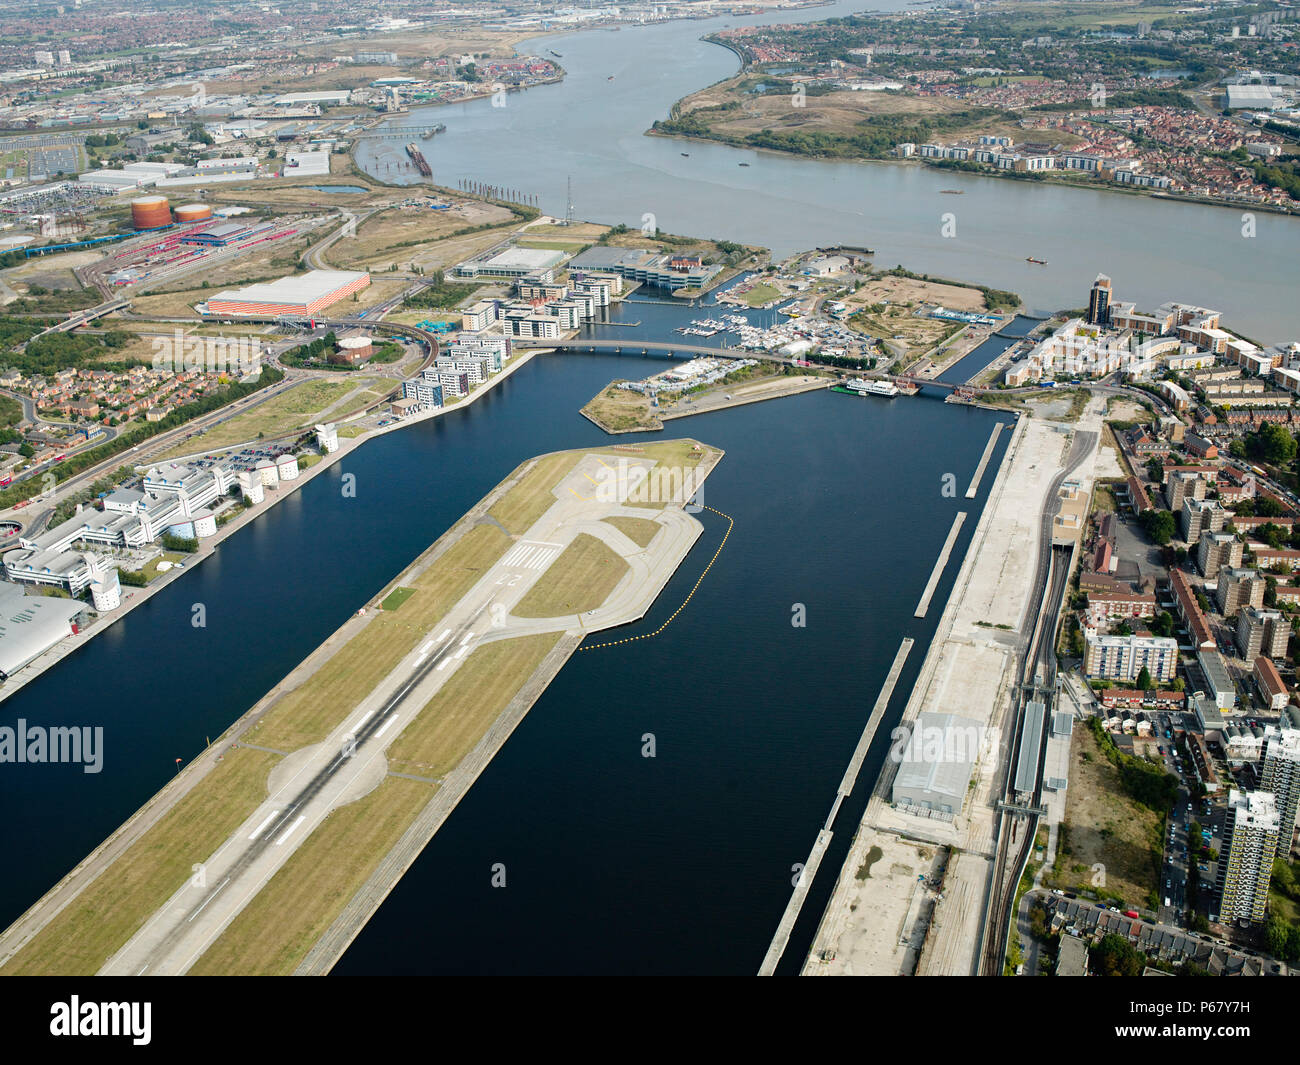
column 590, row 130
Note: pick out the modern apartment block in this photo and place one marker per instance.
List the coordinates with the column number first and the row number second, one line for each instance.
column 1249, row 846
column 1181, row 486
column 1239, row 588
column 1216, row 551
column 1262, row 632
column 1199, row 515
column 1124, row 657
column 1099, row 301
column 1279, row 774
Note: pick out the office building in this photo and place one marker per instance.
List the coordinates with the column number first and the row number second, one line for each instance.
column 1124, row 657
column 1262, row 632
column 1246, row 864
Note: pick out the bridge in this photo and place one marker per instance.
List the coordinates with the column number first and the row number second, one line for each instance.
column 80, row 318
column 646, row 347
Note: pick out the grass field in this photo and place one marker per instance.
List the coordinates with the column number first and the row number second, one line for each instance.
column 317, row 882
column 580, row 579
column 281, row 924
column 456, row 718
column 1103, row 826
column 308, row 713
column 284, row 413
column 760, row 294
column 396, row 598
column 618, row 410
column 639, row 530
column 96, row 925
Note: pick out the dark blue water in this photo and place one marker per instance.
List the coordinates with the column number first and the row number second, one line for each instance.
column 969, row 365
column 615, row 863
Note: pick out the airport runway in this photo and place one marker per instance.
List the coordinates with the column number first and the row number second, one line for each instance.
column 349, row 763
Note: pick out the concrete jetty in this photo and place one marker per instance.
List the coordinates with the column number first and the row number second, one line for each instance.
column 940, row 563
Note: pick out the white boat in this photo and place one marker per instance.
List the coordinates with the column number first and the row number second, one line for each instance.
column 874, row 388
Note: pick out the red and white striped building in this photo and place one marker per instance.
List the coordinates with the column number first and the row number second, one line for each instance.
column 305, row 294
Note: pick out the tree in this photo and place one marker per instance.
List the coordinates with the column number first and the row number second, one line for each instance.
column 1144, row 680
column 1157, row 524
column 1115, row 956
column 1272, row 444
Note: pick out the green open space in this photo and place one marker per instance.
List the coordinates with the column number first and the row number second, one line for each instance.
column 760, row 294
column 639, row 530
column 580, row 579
column 277, row 416
column 96, row 924
column 396, row 598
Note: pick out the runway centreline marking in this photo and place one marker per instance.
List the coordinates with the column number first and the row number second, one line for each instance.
column 731, row 524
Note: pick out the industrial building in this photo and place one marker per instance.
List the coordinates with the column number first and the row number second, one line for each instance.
column 31, row 624
column 304, row 294
column 935, row 767
column 512, row 262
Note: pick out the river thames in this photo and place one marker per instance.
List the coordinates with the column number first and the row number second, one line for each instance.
column 590, row 130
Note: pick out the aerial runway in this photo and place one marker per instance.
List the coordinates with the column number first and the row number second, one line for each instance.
column 314, row 781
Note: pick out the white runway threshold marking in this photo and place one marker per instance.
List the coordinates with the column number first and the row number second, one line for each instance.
column 531, row 554
column 262, row 827
column 289, row 831
column 386, row 726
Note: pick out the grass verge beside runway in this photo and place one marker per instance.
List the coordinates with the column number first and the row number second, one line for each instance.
column 306, row 714
column 102, row 918
column 580, row 579
column 639, row 530
column 280, row 925
column 455, row 719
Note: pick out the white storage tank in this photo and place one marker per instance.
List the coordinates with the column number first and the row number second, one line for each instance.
column 205, row 524
column 106, row 592
column 250, row 486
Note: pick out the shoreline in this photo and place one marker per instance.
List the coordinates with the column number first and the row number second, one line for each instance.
column 792, row 388
column 348, row 923
column 130, row 601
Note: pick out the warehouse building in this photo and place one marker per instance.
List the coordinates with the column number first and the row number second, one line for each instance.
column 935, row 766
column 305, row 294
column 31, row 624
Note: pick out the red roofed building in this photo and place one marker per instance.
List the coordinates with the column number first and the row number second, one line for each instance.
column 1270, row 685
